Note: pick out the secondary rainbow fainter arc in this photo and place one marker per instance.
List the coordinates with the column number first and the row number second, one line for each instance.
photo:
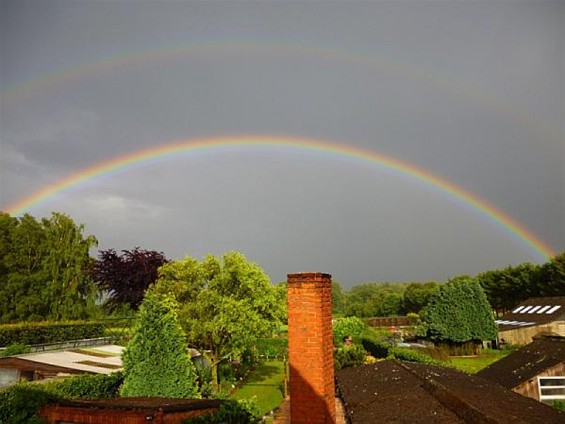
column 449, row 189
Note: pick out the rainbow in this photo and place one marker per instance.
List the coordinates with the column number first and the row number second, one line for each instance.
column 250, row 48
column 125, row 162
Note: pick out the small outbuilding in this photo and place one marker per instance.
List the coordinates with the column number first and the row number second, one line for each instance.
column 104, row 359
column 536, row 370
column 395, row 391
column 532, row 317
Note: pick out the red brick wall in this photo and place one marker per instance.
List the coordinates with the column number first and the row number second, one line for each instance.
column 310, row 344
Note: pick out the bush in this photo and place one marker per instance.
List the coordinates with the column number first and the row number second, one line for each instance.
column 349, row 356
column 382, row 350
column 88, row 386
column 49, row 332
column 231, row 412
column 407, row 354
column 14, row 349
column 350, row 326
column 376, row 348
column 20, row 403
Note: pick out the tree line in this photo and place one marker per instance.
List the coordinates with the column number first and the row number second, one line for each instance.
column 47, row 273
column 504, row 288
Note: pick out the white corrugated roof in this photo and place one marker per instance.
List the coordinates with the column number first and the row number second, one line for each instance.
column 83, row 359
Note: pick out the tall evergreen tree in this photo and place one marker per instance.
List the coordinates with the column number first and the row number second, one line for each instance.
column 156, row 361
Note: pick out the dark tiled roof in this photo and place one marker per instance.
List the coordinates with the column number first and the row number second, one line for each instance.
column 527, row 362
column 403, row 392
column 534, row 311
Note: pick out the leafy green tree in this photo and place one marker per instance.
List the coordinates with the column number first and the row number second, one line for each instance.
column 156, row 360
column 459, row 312
column 226, row 304
column 7, row 227
column 338, row 299
column 417, row 295
column 25, row 273
column 69, row 290
column 507, row 287
column 552, row 277
column 374, row 299
column 43, row 268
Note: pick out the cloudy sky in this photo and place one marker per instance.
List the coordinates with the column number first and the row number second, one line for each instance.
column 470, row 93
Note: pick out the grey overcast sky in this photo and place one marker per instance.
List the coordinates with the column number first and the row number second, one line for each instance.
column 471, row 92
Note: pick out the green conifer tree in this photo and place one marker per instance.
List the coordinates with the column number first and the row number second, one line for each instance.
column 156, row 361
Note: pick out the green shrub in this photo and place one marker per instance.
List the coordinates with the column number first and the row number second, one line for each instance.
column 14, row 349
column 350, row 326
column 88, row 386
column 21, row 403
column 156, row 361
column 231, row 412
column 49, row 332
column 559, row 405
column 348, row 356
column 382, row 350
column 376, row 348
column 407, row 354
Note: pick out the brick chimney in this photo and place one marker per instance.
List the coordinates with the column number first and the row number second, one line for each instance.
column 310, row 345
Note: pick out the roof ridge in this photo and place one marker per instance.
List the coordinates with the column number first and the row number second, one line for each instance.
column 463, row 409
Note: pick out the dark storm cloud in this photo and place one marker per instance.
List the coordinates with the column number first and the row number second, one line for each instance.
column 471, row 91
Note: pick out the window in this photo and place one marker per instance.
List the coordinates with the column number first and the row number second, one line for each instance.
column 551, row 388
column 542, row 310
column 526, row 309
column 552, row 310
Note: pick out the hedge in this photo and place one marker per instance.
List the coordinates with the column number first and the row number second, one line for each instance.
column 19, row 404
column 49, row 332
column 383, row 350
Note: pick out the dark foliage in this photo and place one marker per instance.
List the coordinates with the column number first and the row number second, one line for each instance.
column 126, row 277
column 231, row 412
column 29, row 333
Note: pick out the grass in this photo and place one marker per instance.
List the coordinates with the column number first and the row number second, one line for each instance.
column 473, row 364
column 265, row 383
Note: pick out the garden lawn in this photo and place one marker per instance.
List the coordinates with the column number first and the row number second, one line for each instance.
column 473, row 364
column 265, row 383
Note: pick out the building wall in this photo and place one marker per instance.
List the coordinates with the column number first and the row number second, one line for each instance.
column 530, row 388
column 54, row 414
column 524, row 336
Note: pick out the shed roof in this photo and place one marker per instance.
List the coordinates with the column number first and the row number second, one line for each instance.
column 100, row 360
column 527, row 362
column 395, row 391
column 534, row 311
